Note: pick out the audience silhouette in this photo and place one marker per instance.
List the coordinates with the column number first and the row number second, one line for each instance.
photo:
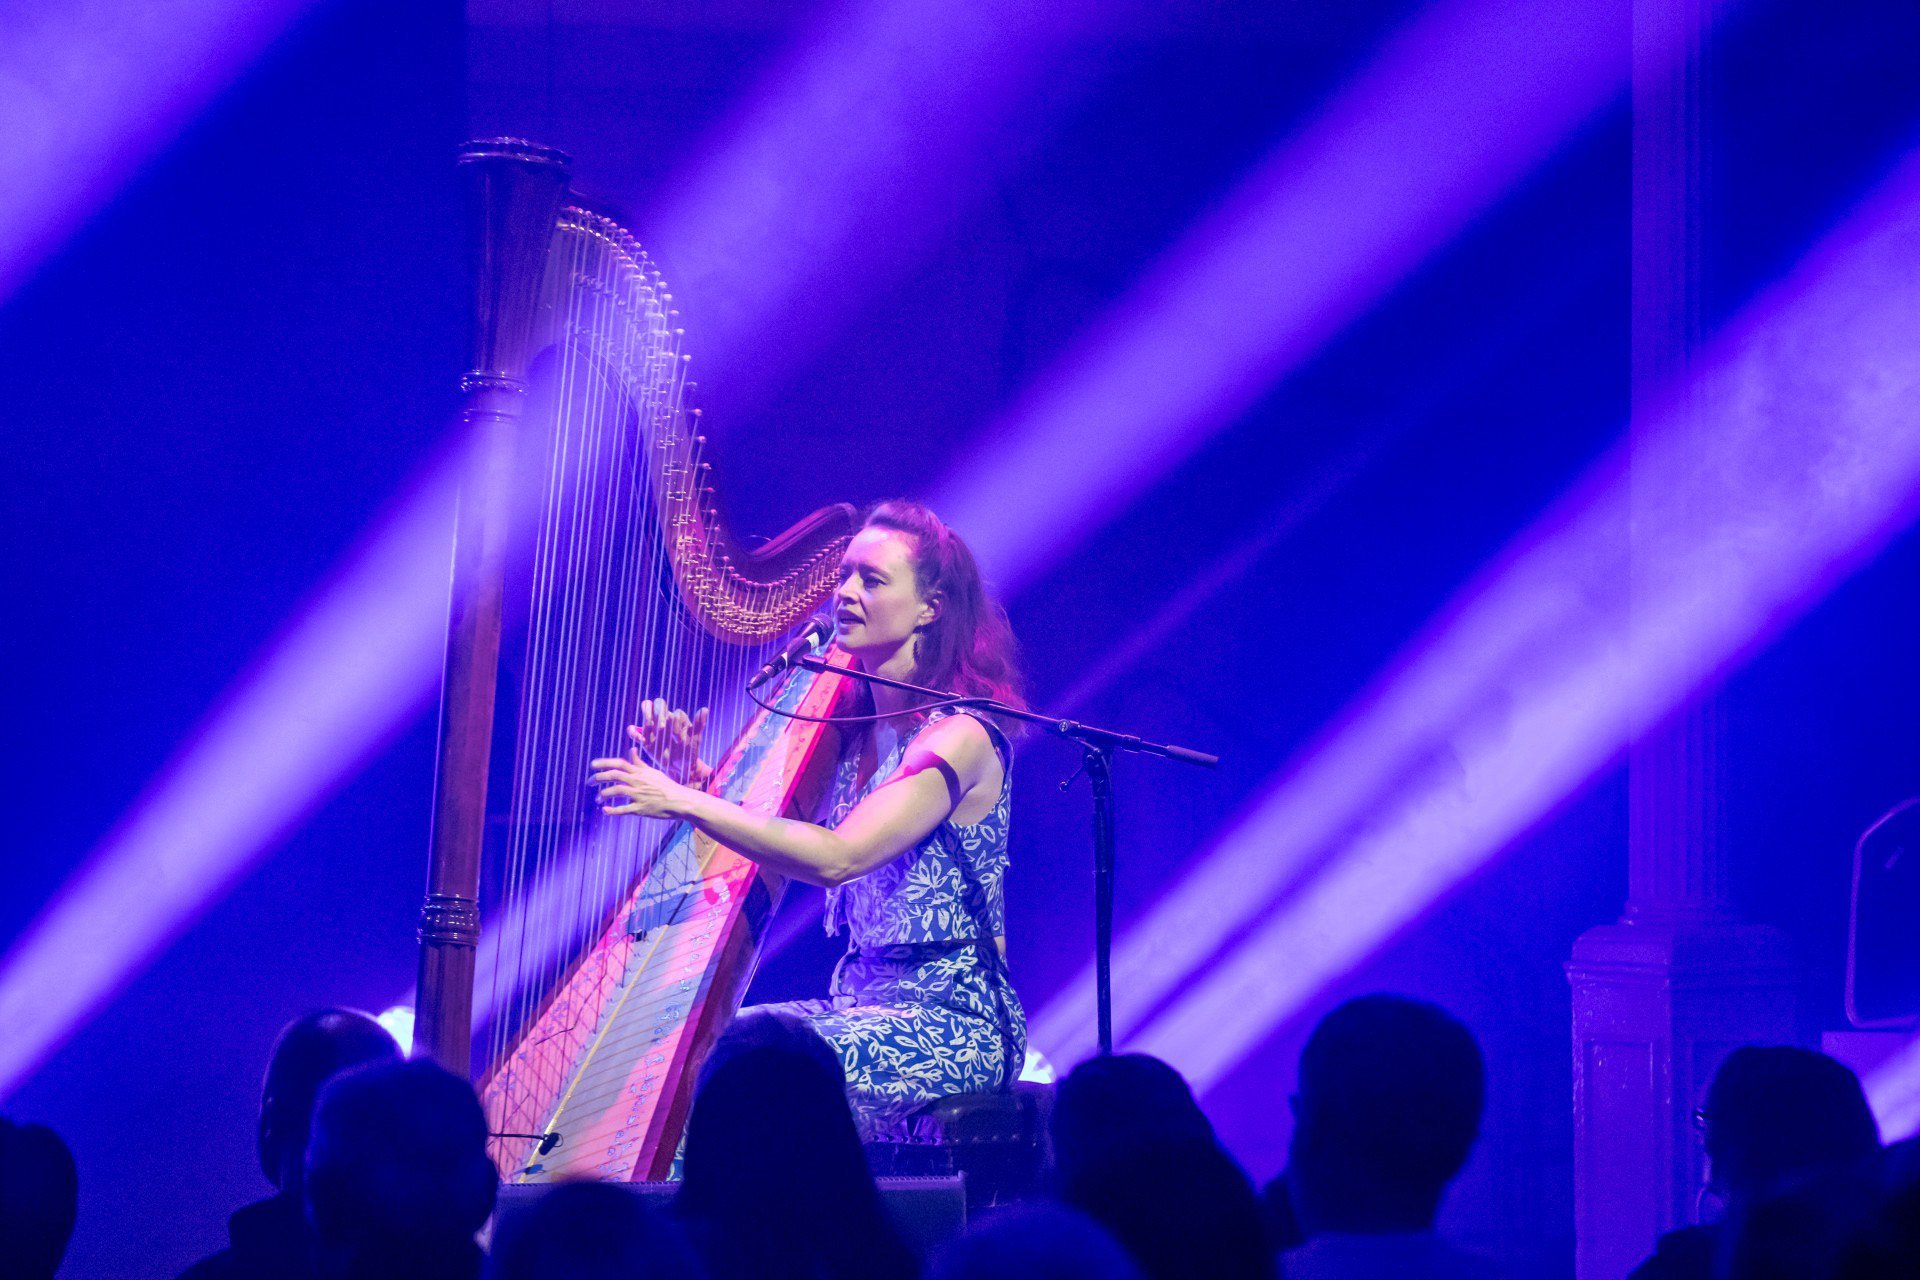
column 1037, row 1242
column 590, row 1231
column 1793, row 1155
column 398, row 1180
column 1391, row 1091
column 1887, row 1247
column 1116, row 1101
column 39, row 1197
column 776, row 1182
column 380, row 1170
column 1133, row 1150
column 270, row 1237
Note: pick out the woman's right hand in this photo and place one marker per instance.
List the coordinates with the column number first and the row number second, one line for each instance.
column 672, row 738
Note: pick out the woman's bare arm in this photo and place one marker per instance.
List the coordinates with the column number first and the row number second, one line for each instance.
column 941, row 767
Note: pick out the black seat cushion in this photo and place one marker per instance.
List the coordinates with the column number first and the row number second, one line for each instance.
column 981, row 1119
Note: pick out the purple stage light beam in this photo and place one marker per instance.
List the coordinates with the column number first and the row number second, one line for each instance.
column 1306, row 501
column 851, row 159
column 1299, row 507
column 358, row 663
column 832, row 176
column 1789, row 461
column 830, row 161
column 93, row 89
column 1893, row 1091
column 1454, row 111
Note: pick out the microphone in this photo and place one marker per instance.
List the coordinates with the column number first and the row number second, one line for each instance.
column 819, row 630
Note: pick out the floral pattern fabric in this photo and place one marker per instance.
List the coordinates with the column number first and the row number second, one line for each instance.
column 921, row 1004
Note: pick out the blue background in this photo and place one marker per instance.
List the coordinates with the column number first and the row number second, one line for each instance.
column 222, row 379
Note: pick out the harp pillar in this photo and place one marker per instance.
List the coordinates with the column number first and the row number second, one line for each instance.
column 513, row 193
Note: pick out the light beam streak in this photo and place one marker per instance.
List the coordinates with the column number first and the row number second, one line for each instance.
column 849, row 162
column 92, row 89
column 1799, row 461
column 1893, row 1091
column 1523, row 317
column 1453, row 113
column 359, row 662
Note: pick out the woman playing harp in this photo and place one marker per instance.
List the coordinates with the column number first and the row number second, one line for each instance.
column 912, row 848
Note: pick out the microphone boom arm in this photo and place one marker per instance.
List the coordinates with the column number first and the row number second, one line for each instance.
column 1099, row 746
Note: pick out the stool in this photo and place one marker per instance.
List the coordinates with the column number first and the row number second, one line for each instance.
column 994, row 1139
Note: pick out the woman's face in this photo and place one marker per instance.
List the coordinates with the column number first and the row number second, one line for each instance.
column 877, row 606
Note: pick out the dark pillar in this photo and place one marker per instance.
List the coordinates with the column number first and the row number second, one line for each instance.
column 1660, row 996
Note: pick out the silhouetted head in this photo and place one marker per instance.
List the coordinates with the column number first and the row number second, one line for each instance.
column 758, row 1031
column 1776, row 1115
column 1391, row 1093
column 590, row 1231
column 1182, row 1207
column 39, row 1194
column 397, row 1178
column 1108, row 1104
column 1037, row 1241
column 310, row 1051
column 776, row 1182
column 771, row 1109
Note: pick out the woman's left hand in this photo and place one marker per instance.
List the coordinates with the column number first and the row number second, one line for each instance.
column 629, row 785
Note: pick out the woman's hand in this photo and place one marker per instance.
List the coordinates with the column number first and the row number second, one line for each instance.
column 630, row 785
column 672, row 738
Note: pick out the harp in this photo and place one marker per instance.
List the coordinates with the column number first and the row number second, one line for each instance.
column 591, row 570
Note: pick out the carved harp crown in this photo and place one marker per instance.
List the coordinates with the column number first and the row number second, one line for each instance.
column 591, row 571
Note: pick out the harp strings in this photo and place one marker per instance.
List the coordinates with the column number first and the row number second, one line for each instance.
column 623, row 477
column 530, row 854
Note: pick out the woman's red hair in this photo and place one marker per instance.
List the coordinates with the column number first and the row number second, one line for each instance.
column 968, row 647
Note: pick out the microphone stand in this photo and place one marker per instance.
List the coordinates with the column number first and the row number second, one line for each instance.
column 1098, row 747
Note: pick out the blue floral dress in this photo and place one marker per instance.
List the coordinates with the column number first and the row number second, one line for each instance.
column 921, row 1004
